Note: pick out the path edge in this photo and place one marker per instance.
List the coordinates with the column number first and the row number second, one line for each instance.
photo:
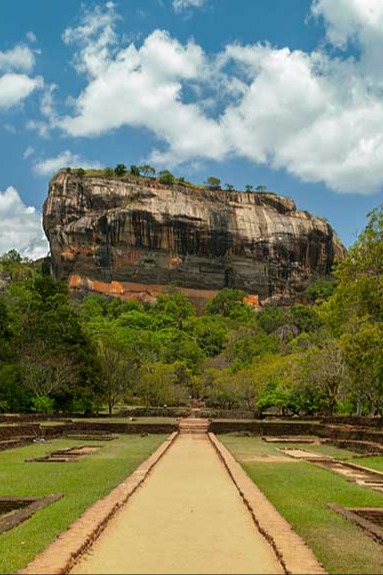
column 60, row 555
column 293, row 553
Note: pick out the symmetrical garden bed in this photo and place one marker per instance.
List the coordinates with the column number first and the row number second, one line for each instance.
column 67, row 455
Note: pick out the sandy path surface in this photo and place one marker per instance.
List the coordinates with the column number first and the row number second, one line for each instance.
column 186, row 518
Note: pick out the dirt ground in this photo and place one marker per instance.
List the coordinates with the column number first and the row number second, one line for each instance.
column 186, row 518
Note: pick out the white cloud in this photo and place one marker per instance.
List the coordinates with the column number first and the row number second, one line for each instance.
column 31, row 36
column 316, row 115
column 355, row 21
column 43, row 128
column 309, row 115
column 95, row 35
column 21, row 227
column 10, row 128
column 180, row 5
column 47, row 107
column 350, row 19
column 142, row 88
column 29, row 151
column 14, row 88
column 49, row 166
column 19, row 58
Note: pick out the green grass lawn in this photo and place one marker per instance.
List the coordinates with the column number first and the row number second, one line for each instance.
column 372, row 462
column 300, row 492
column 82, row 483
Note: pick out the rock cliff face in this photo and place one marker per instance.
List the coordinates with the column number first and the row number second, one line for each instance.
column 121, row 233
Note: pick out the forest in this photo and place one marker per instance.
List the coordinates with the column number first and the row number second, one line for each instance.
column 64, row 354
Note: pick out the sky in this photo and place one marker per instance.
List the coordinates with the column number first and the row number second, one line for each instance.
column 282, row 93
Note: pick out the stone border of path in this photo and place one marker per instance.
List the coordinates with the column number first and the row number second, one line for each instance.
column 59, row 557
column 293, row 553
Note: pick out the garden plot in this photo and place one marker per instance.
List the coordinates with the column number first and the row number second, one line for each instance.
column 291, row 439
column 304, row 454
column 15, row 510
column 368, row 518
column 67, row 455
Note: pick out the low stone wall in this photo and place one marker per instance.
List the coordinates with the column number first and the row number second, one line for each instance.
column 361, row 447
column 133, row 428
column 225, row 414
column 350, row 433
column 353, row 420
column 22, row 417
column 273, row 428
column 9, row 431
column 154, row 412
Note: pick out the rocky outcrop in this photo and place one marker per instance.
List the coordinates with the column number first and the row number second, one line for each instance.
column 135, row 231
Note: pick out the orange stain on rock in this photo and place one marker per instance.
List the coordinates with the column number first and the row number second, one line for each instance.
column 252, row 300
column 143, row 292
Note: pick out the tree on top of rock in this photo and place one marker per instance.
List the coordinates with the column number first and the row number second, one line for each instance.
column 166, row 177
column 146, row 170
column 213, row 183
column 135, row 171
column 120, row 170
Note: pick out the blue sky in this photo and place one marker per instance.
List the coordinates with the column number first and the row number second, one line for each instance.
column 285, row 93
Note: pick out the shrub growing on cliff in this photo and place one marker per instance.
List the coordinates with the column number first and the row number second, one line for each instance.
column 135, row 171
column 213, row 183
column 146, row 170
column 108, row 172
column 120, row 170
column 166, row 177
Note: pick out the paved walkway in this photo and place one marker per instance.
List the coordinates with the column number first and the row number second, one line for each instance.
column 186, row 518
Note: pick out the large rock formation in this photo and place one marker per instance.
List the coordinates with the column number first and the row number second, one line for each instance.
column 114, row 234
